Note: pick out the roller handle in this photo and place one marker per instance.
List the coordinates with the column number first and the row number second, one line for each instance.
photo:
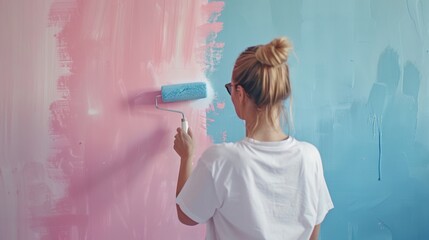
column 185, row 125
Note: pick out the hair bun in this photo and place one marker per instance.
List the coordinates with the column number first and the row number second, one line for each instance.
column 274, row 53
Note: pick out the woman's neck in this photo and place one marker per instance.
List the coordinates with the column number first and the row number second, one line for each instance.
column 265, row 132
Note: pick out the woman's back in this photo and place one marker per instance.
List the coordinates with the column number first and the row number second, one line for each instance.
column 259, row 190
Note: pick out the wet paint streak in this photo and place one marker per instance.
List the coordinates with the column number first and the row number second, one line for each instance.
column 379, row 151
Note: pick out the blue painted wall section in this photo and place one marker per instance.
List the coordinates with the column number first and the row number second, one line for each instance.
column 360, row 78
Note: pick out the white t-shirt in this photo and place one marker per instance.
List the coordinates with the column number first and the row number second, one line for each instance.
column 257, row 190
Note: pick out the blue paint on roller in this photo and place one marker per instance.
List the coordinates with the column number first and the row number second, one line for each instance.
column 183, row 91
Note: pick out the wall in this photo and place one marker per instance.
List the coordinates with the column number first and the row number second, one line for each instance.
column 84, row 154
column 360, row 87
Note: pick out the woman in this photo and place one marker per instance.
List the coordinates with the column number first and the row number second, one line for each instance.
column 266, row 186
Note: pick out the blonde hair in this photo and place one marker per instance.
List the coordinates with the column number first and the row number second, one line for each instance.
column 263, row 73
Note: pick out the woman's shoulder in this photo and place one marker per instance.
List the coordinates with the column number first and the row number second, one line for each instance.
column 220, row 149
column 220, row 153
column 308, row 149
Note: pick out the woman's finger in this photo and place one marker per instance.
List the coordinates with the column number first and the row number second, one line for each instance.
column 190, row 133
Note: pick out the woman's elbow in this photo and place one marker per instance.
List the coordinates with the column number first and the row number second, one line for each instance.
column 187, row 221
column 183, row 218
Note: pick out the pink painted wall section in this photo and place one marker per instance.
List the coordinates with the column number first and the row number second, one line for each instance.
column 84, row 153
column 29, row 70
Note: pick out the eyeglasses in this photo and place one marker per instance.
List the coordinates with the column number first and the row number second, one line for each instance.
column 228, row 87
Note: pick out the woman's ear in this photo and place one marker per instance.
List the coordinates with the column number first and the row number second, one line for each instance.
column 239, row 101
column 241, row 94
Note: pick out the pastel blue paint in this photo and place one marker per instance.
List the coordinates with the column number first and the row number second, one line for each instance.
column 360, row 89
column 183, row 91
column 411, row 82
column 377, row 98
column 388, row 71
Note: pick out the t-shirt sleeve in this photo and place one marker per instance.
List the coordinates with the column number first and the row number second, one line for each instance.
column 324, row 202
column 198, row 198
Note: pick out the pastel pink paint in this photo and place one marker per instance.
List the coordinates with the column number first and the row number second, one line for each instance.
column 111, row 154
column 220, row 105
column 210, row 28
column 212, row 10
column 29, row 185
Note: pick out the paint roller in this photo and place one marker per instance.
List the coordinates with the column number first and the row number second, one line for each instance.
column 181, row 92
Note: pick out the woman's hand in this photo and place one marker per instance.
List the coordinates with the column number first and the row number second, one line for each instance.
column 184, row 144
